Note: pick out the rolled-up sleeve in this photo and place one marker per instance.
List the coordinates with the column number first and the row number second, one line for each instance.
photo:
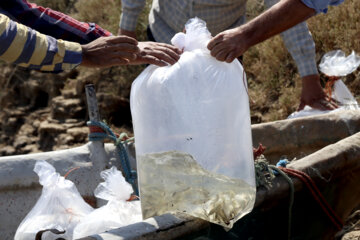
column 321, row 5
column 26, row 47
column 131, row 10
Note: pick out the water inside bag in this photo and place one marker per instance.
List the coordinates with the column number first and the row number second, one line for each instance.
column 174, row 182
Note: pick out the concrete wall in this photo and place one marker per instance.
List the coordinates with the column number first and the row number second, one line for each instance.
column 297, row 138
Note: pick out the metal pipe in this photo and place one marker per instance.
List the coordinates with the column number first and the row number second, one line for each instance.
column 92, row 103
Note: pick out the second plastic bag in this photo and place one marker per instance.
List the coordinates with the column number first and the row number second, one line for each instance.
column 116, row 213
column 335, row 64
column 59, row 207
column 193, row 134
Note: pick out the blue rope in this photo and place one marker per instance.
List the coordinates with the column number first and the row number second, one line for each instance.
column 130, row 175
column 292, row 189
column 281, row 163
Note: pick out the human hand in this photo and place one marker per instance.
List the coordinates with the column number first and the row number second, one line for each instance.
column 228, row 45
column 313, row 95
column 126, row 33
column 109, row 51
column 160, row 54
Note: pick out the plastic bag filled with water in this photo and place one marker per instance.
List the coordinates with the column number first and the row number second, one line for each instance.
column 193, row 134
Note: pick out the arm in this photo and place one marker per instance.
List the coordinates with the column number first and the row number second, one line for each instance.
column 52, row 23
column 300, row 44
column 29, row 48
column 228, row 45
column 131, row 10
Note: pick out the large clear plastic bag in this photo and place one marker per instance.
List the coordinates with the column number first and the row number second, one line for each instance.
column 335, row 63
column 117, row 212
column 193, row 134
column 60, row 207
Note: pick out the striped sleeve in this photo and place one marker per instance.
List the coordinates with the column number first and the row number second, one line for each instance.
column 28, row 48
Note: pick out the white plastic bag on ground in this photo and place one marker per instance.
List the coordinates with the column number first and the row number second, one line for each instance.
column 343, row 95
column 117, row 212
column 335, row 63
column 60, row 207
column 193, row 135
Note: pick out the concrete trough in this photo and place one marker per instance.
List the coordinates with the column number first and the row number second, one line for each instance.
column 327, row 148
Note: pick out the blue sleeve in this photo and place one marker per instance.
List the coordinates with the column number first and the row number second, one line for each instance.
column 321, row 5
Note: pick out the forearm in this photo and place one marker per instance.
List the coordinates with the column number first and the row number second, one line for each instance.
column 31, row 49
column 52, row 23
column 300, row 44
column 131, row 10
column 283, row 15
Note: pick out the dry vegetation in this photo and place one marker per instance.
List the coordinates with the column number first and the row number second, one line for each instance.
column 275, row 85
column 273, row 79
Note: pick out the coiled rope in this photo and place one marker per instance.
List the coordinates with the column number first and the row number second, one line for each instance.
column 315, row 192
column 265, row 174
column 99, row 131
column 262, row 165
